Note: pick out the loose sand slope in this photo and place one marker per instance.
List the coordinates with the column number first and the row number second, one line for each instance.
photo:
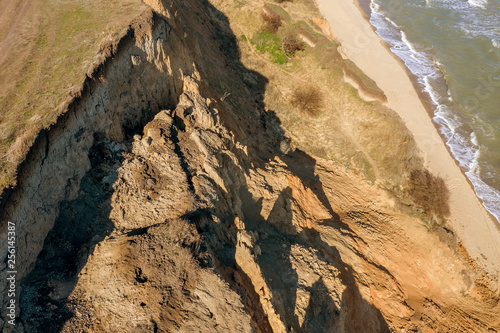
column 478, row 231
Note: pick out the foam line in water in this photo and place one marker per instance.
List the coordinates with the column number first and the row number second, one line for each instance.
column 407, row 42
column 483, row 190
column 462, row 142
column 392, row 22
column 432, row 93
column 478, row 3
column 374, row 6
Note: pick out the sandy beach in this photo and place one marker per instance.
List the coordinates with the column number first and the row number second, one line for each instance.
column 474, row 226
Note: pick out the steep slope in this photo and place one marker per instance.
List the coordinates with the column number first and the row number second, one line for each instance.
column 157, row 203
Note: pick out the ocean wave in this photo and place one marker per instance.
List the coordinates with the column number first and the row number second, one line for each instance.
column 478, row 3
column 461, row 141
column 466, row 150
column 407, row 42
column 453, row 4
column 430, row 90
column 473, row 139
column 489, row 195
column 392, row 22
column 374, row 6
column 473, row 17
column 418, row 62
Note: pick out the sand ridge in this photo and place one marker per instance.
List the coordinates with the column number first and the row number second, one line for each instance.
column 477, row 230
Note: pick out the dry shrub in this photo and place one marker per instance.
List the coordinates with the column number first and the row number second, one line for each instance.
column 292, row 44
column 308, row 99
column 182, row 233
column 283, row 1
column 272, row 22
column 430, row 193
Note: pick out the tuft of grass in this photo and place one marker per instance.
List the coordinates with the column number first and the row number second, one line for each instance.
column 430, row 193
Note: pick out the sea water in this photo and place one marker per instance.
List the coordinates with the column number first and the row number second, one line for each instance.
column 453, row 49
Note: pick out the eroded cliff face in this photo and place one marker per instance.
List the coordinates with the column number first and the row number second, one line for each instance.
column 167, row 199
column 123, row 95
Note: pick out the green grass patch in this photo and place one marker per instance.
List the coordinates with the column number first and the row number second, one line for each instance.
column 266, row 42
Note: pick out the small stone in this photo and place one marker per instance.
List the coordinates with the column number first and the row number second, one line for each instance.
column 136, row 60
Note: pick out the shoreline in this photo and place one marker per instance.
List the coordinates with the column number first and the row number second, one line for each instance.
column 364, row 7
column 477, row 228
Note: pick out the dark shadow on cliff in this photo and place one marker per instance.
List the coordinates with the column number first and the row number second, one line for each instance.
column 277, row 239
column 85, row 221
column 281, row 277
column 361, row 316
column 244, row 113
column 81, row 224
column 321, row 310
column 304, row 166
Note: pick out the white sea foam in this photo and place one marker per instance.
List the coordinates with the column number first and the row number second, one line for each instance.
column 473, row 139
column 474, row 164
column 490, row 196
column 450, row 98
column 496, row 43
column 407, row 42
column 374, row 6
column 478, row 3
column 466, row 150
column 452, row 4
column 391, row 22
column 430, row 90
column 462, row 143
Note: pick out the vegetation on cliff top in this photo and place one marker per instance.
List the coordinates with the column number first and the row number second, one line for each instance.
column 47, row 50
column 320, row 112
